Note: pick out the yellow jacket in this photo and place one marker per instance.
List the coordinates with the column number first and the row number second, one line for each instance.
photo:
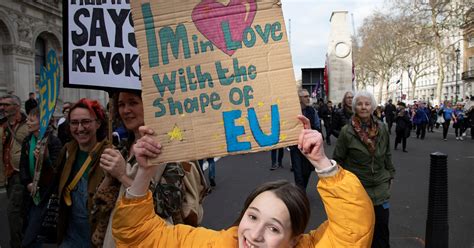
column 349, row 209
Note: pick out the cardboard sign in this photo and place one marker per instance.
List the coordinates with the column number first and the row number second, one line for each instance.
column 50, row 76
column 217, row 77
column 100, row 47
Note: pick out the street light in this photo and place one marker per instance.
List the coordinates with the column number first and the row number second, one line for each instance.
column 457, row 70
column 409, row 77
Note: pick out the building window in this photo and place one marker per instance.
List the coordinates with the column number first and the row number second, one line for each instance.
column 40, row 55
column 470, row 63
column 471, row 41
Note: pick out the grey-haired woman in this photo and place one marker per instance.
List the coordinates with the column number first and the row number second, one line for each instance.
column 363, row 148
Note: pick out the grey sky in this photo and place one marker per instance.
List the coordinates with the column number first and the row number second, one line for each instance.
column 310, row 26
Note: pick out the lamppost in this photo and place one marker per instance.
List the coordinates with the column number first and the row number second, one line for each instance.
column 409, row 77
column 457, row 70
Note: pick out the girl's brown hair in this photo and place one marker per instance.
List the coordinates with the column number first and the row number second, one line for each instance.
column 293, row 197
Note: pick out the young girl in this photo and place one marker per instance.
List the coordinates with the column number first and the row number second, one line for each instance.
column 274, row 215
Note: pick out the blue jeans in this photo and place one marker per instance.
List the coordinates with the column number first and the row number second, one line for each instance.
column 212, row 167
column 78, row 234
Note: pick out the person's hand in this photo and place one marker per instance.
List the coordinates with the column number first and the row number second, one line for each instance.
column 310, row 143
column 146, row 147
column 36, row 153
column 113, row 163
column 29, row 187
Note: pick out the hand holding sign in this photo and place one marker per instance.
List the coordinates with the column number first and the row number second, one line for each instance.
column 217, row 78
column 49, row 91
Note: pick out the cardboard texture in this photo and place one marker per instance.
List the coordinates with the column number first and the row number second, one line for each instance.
column 217, row 77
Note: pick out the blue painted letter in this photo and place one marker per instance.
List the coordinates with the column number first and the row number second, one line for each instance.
column 261, row 138
column 232, row 132
column 150, row 35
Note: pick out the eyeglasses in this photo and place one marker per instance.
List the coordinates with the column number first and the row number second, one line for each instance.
column 85, row 123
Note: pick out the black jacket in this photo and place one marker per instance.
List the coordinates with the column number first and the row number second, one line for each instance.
column 47, row 172
column 390, row 111
column 326, row 114
column 63, row 132
column 403, row 123
column 310, row 113
column 340, row 118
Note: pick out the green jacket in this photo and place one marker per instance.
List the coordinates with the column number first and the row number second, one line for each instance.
column 374, row 172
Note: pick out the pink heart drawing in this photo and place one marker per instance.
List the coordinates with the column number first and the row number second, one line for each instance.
column 208, row 16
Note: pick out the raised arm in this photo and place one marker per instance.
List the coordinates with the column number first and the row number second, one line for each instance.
column 135, row 223
column 348, row 207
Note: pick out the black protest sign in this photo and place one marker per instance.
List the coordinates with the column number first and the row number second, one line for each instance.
column 99, row 44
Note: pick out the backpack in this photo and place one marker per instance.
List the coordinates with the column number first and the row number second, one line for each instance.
column 179, row 192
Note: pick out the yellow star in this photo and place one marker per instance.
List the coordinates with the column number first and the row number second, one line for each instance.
column 266, row 118
column 241, row 121
column 176, row 133
column 278, row 101
column 260, row 104
column 283, row 137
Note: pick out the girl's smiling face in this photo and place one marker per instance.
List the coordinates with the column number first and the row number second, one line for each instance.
column 266, row 223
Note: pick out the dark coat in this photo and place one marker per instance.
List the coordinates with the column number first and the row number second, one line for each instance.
column 340, row 118
column 310, row 113
column 35, row 213
column 47, row 170
column 403, row 124
column 390, row 111
column 63, row 132
column 326, row 114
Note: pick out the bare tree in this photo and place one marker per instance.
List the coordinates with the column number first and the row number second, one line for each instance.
column 381, row 48
column 436, row 27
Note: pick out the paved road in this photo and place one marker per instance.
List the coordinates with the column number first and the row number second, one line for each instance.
column 238, row 175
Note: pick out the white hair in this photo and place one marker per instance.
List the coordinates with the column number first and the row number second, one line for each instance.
column 366, row 94
column 301, row 91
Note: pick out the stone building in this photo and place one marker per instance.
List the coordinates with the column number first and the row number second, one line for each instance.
column 468, row 62
column 28, row 30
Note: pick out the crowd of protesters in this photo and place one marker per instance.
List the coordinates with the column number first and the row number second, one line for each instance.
column 93, row 181
column 63, row 188
column 77, row 164
column 419, row 117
